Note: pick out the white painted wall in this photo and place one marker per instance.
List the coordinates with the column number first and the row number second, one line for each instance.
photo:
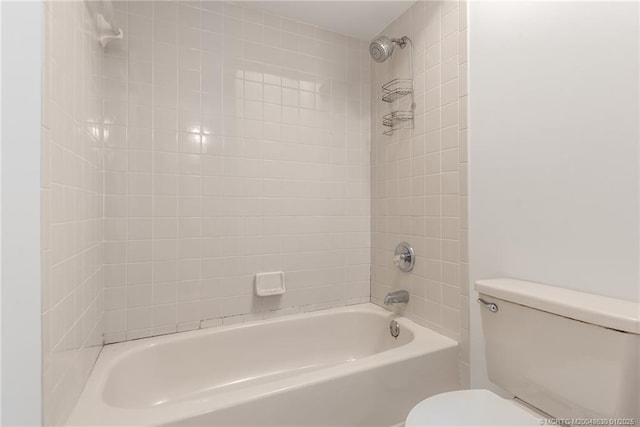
column 21, row 54
column 361, row 19
column 554, row 157
column 0, row 222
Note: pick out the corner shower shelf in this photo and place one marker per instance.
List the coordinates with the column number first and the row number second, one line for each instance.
column 396, row 89
column 397, row 120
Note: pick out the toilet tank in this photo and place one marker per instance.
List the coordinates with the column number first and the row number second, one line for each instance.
column 567, row 353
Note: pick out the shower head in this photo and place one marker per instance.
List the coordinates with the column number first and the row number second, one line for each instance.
column 381, row 48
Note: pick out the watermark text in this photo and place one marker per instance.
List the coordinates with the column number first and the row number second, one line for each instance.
column 587, row 422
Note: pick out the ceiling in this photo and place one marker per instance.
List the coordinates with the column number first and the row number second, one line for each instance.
column 361, row 19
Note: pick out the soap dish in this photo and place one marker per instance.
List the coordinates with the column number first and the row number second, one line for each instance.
column 268, row 284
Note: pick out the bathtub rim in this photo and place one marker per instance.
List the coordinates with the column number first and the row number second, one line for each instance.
column 91, row 405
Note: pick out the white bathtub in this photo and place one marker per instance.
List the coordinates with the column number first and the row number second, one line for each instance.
column 332, row 367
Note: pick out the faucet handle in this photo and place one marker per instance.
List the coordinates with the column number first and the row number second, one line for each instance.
column 404, row 257
column 398, row 259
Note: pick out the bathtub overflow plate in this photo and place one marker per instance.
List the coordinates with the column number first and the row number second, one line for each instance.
column 394, row 329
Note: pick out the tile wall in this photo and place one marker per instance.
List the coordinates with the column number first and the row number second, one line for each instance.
column 419, row 176
column 72, row 193
column 237, row 142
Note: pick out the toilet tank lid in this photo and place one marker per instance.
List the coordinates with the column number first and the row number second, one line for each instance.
column 599, row 310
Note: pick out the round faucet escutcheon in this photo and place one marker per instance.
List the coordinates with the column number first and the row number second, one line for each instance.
column 404, row 258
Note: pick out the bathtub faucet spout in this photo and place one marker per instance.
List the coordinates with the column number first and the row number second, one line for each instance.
column 396, row 297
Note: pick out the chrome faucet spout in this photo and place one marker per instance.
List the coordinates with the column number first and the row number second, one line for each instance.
column 396, row 297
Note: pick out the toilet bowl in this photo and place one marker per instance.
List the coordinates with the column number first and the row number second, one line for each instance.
column 471, row 408
column 592, row 372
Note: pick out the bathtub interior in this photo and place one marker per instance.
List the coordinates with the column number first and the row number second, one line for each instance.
column 196, row 365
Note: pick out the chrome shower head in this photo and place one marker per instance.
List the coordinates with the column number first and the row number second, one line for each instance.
column 382, row 48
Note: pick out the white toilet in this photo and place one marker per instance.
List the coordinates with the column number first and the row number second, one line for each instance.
column 561, row 353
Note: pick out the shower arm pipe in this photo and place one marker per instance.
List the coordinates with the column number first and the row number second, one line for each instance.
column 402, row 42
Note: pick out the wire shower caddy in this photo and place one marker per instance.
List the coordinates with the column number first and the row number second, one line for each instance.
column 395, row 90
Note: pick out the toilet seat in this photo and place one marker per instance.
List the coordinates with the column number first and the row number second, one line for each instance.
column 470, row 408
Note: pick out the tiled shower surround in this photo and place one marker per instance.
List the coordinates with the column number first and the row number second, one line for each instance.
column 215, row 142
column 72, row 197
column 238, row 142
column 419, row 177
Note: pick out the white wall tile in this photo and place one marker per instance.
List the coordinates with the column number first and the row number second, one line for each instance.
column 204, row 205
column 417, row 177
column 72, row 195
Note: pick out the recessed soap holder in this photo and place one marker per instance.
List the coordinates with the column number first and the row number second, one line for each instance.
column 269, row 284
column 404, row 258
